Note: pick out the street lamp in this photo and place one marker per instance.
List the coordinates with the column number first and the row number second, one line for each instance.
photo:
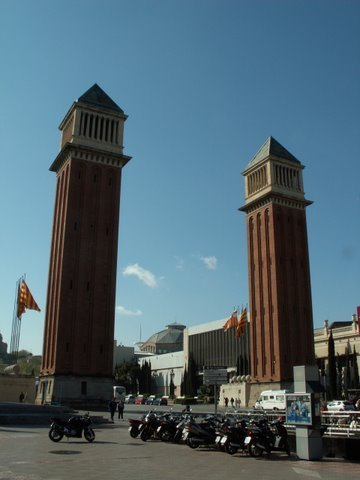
column 172, row 386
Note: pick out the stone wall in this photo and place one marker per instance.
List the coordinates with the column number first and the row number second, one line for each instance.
column 12, row 385
column 241, row 389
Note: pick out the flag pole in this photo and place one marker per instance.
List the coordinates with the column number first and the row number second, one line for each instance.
column 15, row 331
column 14, row 316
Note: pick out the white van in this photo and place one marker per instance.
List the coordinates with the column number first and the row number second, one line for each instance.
column 272, row 400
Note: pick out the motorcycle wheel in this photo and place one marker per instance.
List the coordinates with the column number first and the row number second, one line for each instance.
column 254, row 450
column 55, row 435
column 191, row 443
column 134, row 432
column 89, row 434
column 230, row 449
column 144, row 435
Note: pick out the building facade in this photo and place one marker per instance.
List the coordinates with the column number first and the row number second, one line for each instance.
column 168, row 340
column 278, row 266
column 77, row 361
column 346, row 338
column 166, row 369
column 210, row 346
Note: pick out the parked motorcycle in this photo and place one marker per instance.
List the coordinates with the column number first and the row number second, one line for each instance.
column 263, row 437
column 181, row 428
column 149, row 428
column 75, row 426
column 203, row 433
column 222, row 432
column 136, row 425
column 167, row 429
column 234, row 437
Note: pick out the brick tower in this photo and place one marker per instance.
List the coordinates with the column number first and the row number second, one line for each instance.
column 77, row 361
column 278, row 266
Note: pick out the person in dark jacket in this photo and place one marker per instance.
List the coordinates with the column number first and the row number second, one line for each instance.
column 121, row 406
column 112, row 408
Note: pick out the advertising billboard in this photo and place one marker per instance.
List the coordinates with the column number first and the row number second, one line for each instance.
column 299, row 409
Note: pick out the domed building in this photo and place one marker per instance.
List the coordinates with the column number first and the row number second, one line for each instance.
column 169, row 340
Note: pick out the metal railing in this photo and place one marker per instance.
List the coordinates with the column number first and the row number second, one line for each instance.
column 335, row 424
column 341, row 424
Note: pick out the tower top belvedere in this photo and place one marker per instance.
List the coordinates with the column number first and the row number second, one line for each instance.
column 94, row 122
column 273, row 172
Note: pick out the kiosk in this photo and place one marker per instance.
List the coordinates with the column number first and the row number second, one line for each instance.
column 303, row 410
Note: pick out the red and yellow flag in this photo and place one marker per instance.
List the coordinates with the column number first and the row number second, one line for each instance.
column 240, row 327
column 231, row 321
column 26, row 300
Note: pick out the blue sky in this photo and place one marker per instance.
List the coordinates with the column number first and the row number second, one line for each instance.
column 204, row 83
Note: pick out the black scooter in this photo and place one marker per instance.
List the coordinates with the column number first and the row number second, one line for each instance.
column 234, row 437
column 201, row 434
column 168, row 428
column 267, row 438
column 74, row 427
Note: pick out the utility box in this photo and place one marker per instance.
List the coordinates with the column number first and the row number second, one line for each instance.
column 309, row 445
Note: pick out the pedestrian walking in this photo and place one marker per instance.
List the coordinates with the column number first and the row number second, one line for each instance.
column 112, row 408
column 121, row 406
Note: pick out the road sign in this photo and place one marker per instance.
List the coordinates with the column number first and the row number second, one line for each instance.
column 215, row 376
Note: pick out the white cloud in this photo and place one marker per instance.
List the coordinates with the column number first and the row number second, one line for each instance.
column 209, row 262
column 144, row 275
column 179, row 263
column 130, row 313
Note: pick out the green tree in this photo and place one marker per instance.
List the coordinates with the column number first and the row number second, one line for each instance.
column 332, row 374
column 145, row 378
column 355, row 383
column 30, row 365
column 347, row 371
column 127, row 374
column 340, row 379
column 191, row 382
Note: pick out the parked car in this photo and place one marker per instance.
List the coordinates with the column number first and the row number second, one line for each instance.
column 129, row 399
column 160, row 401
column 340, row 406
column 150, row 400
column 140, row 400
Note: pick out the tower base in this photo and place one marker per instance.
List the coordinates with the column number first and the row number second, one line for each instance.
column 75, row 391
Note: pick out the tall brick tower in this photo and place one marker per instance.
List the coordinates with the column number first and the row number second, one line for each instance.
column 77, row 362
column 278, row 266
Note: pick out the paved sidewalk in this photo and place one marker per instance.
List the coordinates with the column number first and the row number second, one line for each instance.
column 26, row 453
